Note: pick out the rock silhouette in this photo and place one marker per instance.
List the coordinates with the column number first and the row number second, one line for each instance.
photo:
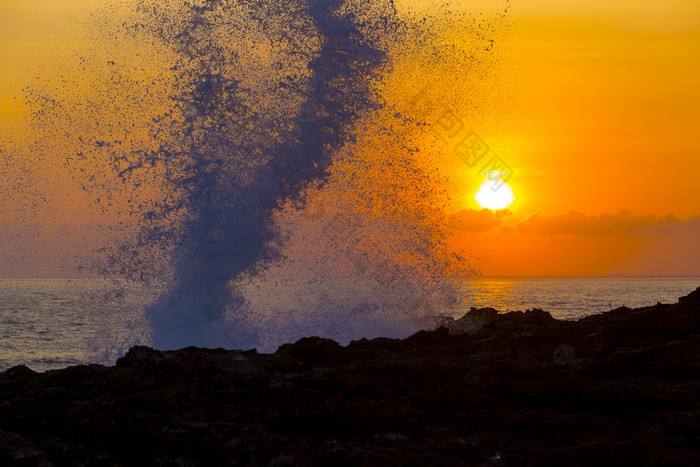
column 619, row 388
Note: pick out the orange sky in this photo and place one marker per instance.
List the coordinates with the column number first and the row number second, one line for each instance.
column 595, row 109
column 604, row 118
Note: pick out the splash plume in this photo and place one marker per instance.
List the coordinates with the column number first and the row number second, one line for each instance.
column 259, row 164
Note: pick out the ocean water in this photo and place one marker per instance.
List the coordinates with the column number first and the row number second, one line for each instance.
column 50, row 324
column 53, row 323
column 573, row 298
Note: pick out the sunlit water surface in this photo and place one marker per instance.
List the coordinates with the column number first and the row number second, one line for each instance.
column 572, row 298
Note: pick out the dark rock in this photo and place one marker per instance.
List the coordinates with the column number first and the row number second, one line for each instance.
column 316, row 350
column 516, row 388
column 18, row 451
column 18, row 371
column 472, row 321
column 691, row 298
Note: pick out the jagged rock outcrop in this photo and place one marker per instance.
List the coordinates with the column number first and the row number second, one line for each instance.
column 472, row 321
column 620, row 388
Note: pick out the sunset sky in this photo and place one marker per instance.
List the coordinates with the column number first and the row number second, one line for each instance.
column 597, row 115
column 602, row 140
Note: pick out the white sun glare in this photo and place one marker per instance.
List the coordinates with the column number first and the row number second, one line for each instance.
column 494, row 195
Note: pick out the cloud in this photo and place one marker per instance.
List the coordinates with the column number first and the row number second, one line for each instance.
column 621, row 223
column 471, row 220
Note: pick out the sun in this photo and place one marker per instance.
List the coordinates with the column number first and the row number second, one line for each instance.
column 494, row 194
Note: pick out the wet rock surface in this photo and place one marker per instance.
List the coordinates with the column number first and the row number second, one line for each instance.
column 620, row 388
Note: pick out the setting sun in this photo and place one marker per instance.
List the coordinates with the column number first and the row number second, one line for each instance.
column 494, row 194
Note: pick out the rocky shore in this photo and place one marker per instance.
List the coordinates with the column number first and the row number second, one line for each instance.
column 620, row 388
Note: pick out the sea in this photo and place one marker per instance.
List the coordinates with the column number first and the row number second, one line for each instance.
column 49, row 324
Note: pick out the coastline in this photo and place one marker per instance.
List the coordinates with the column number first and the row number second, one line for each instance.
column 517, row 388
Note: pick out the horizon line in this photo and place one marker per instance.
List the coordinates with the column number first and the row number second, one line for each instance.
column 490, row 276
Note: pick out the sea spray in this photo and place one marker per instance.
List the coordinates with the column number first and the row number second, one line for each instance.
column 264, row 173
column 233, row 176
